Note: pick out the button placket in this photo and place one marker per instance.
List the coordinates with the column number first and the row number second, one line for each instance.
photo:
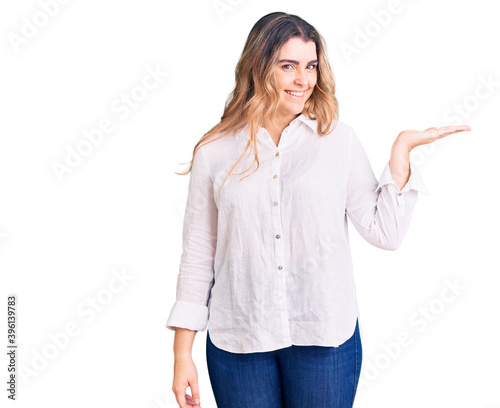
column 400, row 198
column 276, row 194
column 279, row 293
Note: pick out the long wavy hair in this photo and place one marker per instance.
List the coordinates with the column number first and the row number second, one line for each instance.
column 255, row 97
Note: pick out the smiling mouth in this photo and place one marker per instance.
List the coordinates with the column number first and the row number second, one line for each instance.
column 296, row 94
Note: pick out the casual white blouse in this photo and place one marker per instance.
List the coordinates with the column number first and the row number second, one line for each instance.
column 267, row 264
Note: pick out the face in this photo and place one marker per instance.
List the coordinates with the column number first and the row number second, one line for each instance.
column 296, row 74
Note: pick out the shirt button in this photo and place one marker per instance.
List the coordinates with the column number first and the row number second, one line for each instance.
column 275, row 203
column 275, row 176
column 280, row 267
column 400, row 194
column 277, row 154
column 278, row 236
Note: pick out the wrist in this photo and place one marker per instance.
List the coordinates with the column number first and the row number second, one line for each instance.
column 401, row 144
column 182, row 355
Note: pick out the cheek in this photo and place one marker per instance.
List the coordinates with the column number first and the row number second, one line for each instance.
column 281, row 80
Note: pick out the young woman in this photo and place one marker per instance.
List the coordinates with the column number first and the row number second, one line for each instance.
column 266, row 257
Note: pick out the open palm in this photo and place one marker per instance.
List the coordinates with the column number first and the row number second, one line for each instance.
column 414, row 138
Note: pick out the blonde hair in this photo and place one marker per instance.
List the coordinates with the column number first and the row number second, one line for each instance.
column 255, row 96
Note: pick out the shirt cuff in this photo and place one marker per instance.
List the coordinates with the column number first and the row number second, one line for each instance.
column 188, row 315
column 414, row 182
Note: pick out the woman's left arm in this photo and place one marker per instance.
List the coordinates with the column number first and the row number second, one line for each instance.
column 381, row 210
column 408, row 140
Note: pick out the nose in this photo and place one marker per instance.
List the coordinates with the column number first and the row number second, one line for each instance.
column 301, row 78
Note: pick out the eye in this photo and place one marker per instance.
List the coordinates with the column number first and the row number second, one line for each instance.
column 287, row 66
column 313, row 66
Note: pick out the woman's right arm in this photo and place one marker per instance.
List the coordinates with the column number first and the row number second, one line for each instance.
column 199, row 241
column 183, row 342
column 185, row 374
column 195, row 280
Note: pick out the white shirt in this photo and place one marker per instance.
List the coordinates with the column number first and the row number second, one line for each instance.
column 268, row 264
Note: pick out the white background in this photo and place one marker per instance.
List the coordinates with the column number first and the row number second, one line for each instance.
column 121, row 208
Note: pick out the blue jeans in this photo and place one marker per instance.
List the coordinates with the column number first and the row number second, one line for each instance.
column 291, row 377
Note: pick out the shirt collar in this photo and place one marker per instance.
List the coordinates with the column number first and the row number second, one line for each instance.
column 312, row 123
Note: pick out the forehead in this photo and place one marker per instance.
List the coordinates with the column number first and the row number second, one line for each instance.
column 298, row 49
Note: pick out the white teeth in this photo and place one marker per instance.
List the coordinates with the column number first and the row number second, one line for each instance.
column 295, row 93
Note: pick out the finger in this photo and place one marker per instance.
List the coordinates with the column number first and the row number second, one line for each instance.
column 447, row 130
column 454, row 129
column 190, row 401
column 181, row 400
column 195, row 391
column 441, row 135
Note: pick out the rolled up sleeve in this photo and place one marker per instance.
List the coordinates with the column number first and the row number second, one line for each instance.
column 379, row 210
column 196, row 270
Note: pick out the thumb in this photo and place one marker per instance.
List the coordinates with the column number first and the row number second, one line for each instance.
column 195, row 392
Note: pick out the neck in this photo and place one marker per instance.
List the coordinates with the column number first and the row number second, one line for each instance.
column 278, row 124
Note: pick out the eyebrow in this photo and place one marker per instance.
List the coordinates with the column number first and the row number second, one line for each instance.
column 297, row 62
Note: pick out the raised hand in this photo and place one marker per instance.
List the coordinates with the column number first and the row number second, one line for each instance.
column 408, row 140
column 414, row 138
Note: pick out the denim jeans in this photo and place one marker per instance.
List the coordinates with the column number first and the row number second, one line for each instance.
column 291, row 377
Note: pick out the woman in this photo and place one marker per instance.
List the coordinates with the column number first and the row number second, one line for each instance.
column 266, row 257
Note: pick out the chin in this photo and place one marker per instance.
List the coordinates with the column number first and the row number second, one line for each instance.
column 288, row 109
